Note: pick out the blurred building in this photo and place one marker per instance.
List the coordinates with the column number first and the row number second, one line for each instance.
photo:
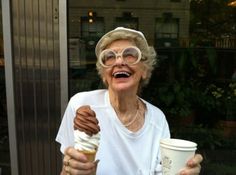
column 164, row 23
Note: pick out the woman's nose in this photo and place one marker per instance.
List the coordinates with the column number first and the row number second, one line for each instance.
column 120, row 60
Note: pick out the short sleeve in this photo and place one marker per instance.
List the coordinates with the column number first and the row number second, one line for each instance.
column 166, row 130
column 65, row 133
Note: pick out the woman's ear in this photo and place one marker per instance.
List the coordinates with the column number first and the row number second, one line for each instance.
column 105, row 82
column 144, row 73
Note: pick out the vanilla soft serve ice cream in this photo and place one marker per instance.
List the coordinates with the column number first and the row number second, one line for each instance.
column 84, row 142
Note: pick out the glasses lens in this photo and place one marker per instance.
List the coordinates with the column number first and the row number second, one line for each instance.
column 108, row 58
column 131, row 55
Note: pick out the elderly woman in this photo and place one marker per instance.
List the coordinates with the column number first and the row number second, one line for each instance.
column 132, row 128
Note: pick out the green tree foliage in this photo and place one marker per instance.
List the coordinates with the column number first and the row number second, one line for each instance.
column 212, row 19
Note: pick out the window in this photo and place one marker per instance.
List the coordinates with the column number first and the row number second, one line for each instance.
column 91, row 27
column 167, row 29
column 127, row 20
column 166, row 32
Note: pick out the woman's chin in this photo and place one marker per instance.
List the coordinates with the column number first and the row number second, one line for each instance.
column 122, row 88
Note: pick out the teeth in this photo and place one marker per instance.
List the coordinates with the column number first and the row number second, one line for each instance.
column 121, row 74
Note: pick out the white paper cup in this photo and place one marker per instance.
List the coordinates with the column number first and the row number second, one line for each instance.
column 175, row 153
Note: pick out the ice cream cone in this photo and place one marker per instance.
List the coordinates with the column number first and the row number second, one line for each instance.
column 87, row 137
column 90, row 155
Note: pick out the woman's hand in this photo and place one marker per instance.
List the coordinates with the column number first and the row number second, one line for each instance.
column 76, row 163
column 193, row 166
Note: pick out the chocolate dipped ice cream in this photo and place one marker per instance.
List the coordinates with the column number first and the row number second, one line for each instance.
column 86, row 132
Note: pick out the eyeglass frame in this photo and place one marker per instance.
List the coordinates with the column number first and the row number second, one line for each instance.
column 121, row 55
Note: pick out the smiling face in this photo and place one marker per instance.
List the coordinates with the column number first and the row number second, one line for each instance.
column 122, row 77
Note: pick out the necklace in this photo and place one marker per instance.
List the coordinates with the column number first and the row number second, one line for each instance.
column 134, row 119
column 137, row 114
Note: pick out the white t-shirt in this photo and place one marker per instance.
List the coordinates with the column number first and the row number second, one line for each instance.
column 121, row 152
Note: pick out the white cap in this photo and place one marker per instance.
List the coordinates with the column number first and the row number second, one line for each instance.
column 120, row 29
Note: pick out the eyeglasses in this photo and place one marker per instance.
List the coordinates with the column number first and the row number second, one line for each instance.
column 131, row 55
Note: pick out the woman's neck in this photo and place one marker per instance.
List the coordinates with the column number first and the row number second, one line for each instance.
column 129, row 109
column 124, row 102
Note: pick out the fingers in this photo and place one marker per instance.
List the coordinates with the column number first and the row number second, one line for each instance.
column 75, row 162
column 71, row 171
column 193, row 166
column 197, row 159
column 71, row 152
column 191, row 171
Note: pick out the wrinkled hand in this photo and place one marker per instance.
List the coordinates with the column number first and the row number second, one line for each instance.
column 76, row 163
column 193, row 166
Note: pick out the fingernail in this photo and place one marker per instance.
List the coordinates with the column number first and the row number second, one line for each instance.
column 190, row 163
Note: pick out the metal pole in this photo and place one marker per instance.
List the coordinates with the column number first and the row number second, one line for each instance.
column 63, row 53
column 7, row 39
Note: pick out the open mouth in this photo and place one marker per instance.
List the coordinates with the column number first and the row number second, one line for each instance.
column 121, row 74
